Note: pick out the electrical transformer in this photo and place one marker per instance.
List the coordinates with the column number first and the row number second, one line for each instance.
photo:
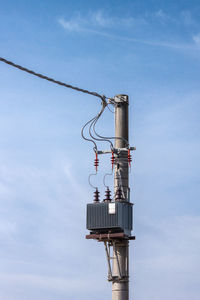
column 110, row 217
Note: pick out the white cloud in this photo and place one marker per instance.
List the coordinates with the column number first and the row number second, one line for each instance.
column 95, row 22
column 97, row 18
column 162, row 16
column 187, row 18
column 183, row 19
column 196, row 39
column 71, row 25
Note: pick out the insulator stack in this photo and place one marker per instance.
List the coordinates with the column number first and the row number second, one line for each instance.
column 129, row 158
column 96, row 162
column 96, row 196
column 107, row 195
column 112, row 160
column 118, row 196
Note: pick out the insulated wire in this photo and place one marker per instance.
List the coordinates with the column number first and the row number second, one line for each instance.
column 104, row 178
column 89, row 140
column 102, row 97
column 94, row 174
column 92, row 125
column 109, row 138
column 91, row 121
column 110, row 108
column 105, row 139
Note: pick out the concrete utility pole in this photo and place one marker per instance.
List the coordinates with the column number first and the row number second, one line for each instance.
column 110, row 220
column 120, row 289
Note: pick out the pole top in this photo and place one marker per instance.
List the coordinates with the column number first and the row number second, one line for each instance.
column 121, row 98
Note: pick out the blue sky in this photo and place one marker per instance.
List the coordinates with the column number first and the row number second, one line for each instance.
column 149, row 50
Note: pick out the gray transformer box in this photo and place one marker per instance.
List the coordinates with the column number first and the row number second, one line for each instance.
column 110, row 217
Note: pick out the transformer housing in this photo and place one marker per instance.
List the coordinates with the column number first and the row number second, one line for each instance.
column 110, row 217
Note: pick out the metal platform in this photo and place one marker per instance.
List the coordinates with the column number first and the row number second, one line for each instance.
column 109, row 236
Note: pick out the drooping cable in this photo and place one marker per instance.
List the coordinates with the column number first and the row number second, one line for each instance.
column 102, row 97
column 87, row 139
column 89, row 180
column 91, row 127
column 103, row 104
column 110, row 108
column 108, row 138
column 104, row 178
column 111, row 101
column 100, row 138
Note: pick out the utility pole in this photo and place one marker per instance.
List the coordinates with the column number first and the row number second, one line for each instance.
column 110, row 220
column 120, row 289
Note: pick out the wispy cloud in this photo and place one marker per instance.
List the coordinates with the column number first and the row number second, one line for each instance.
column 71, row 25
column 187, row 18
column 196, row 39
column 184, row 18
column 77, row 23
column 96, row 20
column 162, row 16
column 101, row 20
column 98, row 24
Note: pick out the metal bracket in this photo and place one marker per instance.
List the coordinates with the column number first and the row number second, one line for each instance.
column 108, row 245
column 117, row 150
column 118, row 99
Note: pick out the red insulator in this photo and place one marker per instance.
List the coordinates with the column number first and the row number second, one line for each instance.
column 96, row 162
column 112, row 160
column 129, row 158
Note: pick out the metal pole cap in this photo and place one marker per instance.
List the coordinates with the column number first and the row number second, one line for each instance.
column 121, row 98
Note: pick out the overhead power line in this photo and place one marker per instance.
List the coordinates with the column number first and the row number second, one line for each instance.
column 53, row 80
